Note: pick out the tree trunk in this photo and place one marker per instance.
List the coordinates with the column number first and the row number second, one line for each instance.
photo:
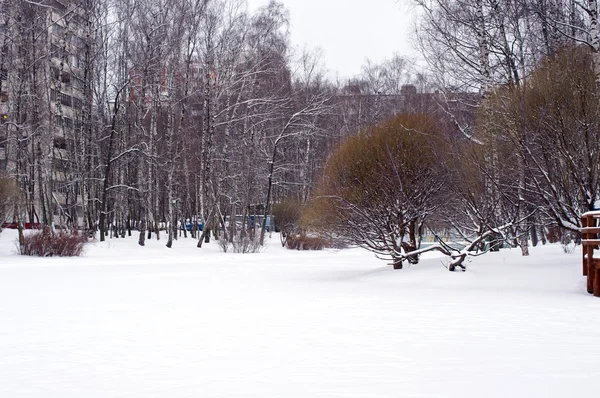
column 596, row 271
column 20, row 229
column 595, row 37
column 205, row 237
column 534, row 236
column 232, row 222
column 172, row 221
column 591, row 276
column 397, row 263
column 522, row 227
column 142, row 239
column 268, row 201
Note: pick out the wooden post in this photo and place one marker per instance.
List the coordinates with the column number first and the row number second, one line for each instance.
column 590, row 241
column 590, row 263
column 584, row 223
column 596, row 272
column 590, row 222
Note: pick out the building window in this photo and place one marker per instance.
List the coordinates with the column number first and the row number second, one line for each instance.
column 66, row 99
column 54, row 50
column 60, row 143
column 77, row 83
column 78, row 19
column 77, row 103
column 65, row 122
column 62, row 185
column 75, row 61
column 58, row 30
column 65, row 77
column 54, row 72
column 76, row 41
column 61, row 165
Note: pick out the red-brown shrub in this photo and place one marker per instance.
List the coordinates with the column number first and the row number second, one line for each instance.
column 554, row 234
column 303, row 242
column 46, row 243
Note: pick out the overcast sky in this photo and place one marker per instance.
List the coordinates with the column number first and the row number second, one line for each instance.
column 349, row 31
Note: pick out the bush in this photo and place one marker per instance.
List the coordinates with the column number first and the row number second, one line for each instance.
column 568, row 242
column 46, row 243
column 303, row 242
column 554, row 235
column 9, row 197
column 240, row 245
column 287, row 215
column 569, row 247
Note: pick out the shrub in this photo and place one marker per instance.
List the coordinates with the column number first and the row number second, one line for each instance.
column 568, row 242
column 303, row 242
column 287, row 215
column 554, row 234
column 46, row 243
column 9, row 197
column 240, row 245
column 569, row 247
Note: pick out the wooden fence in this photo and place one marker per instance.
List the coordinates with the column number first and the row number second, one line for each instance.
column 590, row 241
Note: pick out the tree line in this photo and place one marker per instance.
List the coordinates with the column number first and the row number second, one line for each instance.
column 536, row 65
column 141, row 114
column 525, row 167
column 145, row 114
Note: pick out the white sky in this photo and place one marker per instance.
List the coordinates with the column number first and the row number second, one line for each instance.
column 350, row 31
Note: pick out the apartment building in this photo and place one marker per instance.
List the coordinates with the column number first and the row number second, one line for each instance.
column 41, row 101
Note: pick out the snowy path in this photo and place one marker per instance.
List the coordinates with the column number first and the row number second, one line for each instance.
column 126, row 321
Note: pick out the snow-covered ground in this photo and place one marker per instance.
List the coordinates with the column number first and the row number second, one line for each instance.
column 126, row 321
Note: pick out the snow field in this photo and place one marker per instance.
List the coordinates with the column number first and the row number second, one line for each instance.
column 127, row 321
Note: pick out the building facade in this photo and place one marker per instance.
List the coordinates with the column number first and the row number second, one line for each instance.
column 42, row 90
